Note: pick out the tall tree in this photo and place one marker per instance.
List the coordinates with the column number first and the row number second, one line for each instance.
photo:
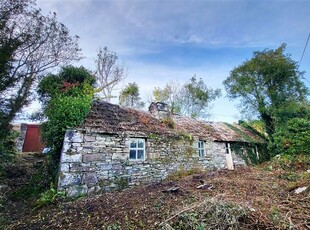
column 170, row 95
column 191, row 99
column 30, row 44
column 130, row 96
column 108, row 72
column 197, row 98
column 265, row 84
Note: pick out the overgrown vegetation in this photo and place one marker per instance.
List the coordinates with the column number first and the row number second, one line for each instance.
column 30, row 44
column 34, row 187
column 246, row 152
column 48, row 197
column 67, row 99
column 7, row 148
column 288, row 162
column 294, row 138
column 270, row 85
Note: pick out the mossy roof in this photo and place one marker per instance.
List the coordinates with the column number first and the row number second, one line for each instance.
column 105, row 117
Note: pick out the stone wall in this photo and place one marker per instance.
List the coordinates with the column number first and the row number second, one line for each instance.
column 100, row 162
column 19, row 142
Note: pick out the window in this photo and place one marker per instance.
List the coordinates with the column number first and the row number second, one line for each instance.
column 227, row 147
column 201, row 149
column 137, row 149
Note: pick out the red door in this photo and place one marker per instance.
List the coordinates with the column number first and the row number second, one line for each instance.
column 32, row 141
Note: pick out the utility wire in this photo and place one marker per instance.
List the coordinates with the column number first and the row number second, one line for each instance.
column 304, row 50
column 303, row 55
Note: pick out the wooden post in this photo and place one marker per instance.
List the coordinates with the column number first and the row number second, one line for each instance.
column 229, row 159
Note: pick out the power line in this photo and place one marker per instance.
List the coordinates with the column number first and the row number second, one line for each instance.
column 304, row 50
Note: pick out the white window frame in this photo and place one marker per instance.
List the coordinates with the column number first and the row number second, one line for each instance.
column 201, row 149
column 136, row 149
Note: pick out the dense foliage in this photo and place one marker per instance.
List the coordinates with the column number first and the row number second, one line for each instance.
column 67, row 99
column 294, row 139
column 266, row 85
column 270, row 85
column 7, row 149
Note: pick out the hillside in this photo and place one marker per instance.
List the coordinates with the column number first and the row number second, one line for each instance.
column 248, row 198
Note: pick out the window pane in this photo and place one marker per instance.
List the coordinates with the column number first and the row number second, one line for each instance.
column 133, row 144
column 140, row 144
column 202, row 152
column 140, row 154
column 132, row 154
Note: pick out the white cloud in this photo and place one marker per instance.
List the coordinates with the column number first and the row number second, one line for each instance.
column 160, row 40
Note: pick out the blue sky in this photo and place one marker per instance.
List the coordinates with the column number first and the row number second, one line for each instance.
column 168, row 40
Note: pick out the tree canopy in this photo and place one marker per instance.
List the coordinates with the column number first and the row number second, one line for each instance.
column 68, row 76
column 32, row 43
column 191, row 99
column 266, row 84
column 67, row 98
column 170, row 94
column 197, row 98
column 130, row 96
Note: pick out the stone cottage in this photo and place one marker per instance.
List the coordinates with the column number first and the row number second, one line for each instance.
column 117, row 147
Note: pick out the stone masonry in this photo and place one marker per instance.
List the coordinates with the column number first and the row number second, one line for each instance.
column 92, row 162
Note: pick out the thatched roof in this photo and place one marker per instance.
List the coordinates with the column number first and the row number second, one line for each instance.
column 105, row 117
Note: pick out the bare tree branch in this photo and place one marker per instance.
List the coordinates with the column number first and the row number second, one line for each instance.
column 108, row 72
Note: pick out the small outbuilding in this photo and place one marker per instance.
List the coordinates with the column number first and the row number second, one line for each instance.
column 29, row 138
column 117, row 147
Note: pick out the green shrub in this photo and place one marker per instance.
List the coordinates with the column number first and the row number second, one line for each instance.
column 67, row 99
column 7, row 148
column 48, row 197
column 294, row 139
column 288, row 162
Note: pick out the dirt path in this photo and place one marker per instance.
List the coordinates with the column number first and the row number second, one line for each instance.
column 18, row 187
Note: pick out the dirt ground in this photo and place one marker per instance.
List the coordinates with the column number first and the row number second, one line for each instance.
column 15, row 201
column 266, row 198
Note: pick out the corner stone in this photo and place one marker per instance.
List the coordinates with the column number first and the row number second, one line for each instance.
column 75, row 191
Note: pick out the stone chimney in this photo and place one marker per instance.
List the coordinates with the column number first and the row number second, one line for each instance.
column 159, row 110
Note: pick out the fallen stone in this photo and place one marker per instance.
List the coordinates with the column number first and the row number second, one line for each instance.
column 300, row 189
column 205, row 186
column 171, row 190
